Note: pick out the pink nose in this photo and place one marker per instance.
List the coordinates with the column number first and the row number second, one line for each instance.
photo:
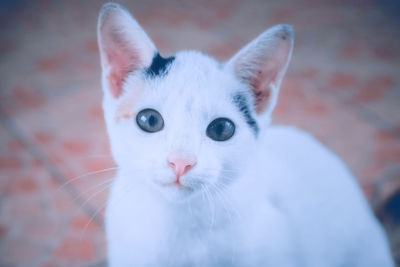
column 180, row 166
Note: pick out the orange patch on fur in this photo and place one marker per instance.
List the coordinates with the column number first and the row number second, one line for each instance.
column 124, row 109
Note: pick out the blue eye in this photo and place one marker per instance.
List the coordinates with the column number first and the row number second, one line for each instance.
column 220, row 129
column 149, row 120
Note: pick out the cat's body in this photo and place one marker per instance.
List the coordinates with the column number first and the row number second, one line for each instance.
column 302, row 215
column 203, row 179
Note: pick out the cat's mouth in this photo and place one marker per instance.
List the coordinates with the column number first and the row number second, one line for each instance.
column 177, row 185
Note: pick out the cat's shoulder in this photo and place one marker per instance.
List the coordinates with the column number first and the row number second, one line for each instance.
column 288, row 136
column 287, row 132
column 299, row 148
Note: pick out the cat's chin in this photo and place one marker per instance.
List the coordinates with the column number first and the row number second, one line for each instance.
column 176, row 192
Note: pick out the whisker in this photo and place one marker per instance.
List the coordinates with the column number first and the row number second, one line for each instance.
column 202, row 192
column 96, row 172
column 106, row 182
column 94, row 156
column 223, row 188
column 95, row 194
column 190, row 208
column 211, row 206
column 101, row 208
column 83, row 176
column 225, row 200
column 206, row 198
column 234, row 171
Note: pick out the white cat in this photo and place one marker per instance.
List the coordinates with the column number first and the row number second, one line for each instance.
column 203, row 179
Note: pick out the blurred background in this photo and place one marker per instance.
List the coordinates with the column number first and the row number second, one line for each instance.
column 343, row 86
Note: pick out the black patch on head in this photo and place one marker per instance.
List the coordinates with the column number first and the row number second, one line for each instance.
column 242, row 104
column 159, row 65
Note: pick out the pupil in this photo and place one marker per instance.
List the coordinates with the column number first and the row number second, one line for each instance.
column 219, row 129
column 152, row 120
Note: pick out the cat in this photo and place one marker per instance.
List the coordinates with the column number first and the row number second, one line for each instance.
column 204, row 179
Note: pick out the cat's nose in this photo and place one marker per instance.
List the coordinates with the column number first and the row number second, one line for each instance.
column 180, row 166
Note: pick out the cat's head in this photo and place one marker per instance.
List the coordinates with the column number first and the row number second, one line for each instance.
column 186, row 122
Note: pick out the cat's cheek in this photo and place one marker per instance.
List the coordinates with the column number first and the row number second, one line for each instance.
column 126, row 144
column 235, row 159
column 118, row 138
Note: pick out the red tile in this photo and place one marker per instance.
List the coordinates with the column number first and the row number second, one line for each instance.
column 309, row 73
column 96, row 113
column 316, row 109
column 76, row 146
column 54, row 62
column 90, row 45
column 43, row 138
column 27, row 97
column 62, row 203
column 341, row 86
column 96, row 164
column 10, row 162
column 2, row 231
column 389, row 154
column 343, row 80
column 371, row 172
column 50, row 264
column 75, row 249
column 375, row 88
column 368, row 190
column 23, row 185
column 384, row 53
column 282, row 14
column 15, row 146
column 44, row 229
column 7, row 46
column 21, row 251
column 82, row 223
column 352, row 50
column 25, row 209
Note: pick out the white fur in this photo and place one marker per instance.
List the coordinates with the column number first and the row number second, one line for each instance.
column 279, row 199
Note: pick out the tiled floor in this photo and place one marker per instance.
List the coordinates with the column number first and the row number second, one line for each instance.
column 343, row 86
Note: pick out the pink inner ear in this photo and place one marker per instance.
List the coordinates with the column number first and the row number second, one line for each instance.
column 121, row 61
column 261, row 90
column 263, row 63
column 119, row 53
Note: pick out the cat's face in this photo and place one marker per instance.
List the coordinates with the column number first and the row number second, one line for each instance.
column 185, row 108
column 186, row 123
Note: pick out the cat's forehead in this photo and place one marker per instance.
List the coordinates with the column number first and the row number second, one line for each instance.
column 186, row 84
column 197, row 64
column 192, row 74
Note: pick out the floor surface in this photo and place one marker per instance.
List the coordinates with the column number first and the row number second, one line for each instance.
column 343, row 86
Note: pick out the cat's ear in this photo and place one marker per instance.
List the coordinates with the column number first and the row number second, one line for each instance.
column 123, row 44
column 263, row 63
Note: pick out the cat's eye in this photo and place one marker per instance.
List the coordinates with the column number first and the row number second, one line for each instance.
column 149, row 120
column 220, row 129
